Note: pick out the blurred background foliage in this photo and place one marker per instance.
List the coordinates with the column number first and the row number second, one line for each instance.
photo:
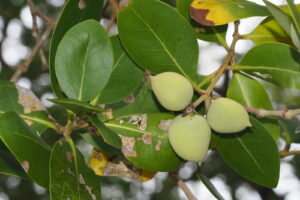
column 16, row 42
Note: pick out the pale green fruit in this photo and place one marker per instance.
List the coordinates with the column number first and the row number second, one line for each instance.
column 189, row 136
column 227, row 116
column 173, row 91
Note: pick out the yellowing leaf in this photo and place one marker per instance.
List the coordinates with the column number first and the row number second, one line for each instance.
column 98, row 161
column 219, row 12
column 105, row 164
column 147, row 175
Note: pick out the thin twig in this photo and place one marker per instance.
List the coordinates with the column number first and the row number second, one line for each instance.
column 24, row 66
column 36, row 12
column 285, row 153
column 35, row 32
column 218, row 74
column 40, row 39
column 182, row 185
column 114, row 15
column 285, row 114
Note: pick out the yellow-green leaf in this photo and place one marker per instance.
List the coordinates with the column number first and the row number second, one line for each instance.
column 270, row 31
column 219, row 12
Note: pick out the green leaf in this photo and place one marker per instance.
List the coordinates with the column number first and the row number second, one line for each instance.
column 28, row 148
column 109, row 136
column 78, row 107
column 290, row 130
column 84, row 60
column 9, row 166
column 9, row 97
column 273, row 62
column 206, row 33
column 295, row 15
column 2, row 146
column 23, row 100
column 145, row 141
column 152, row 29
column 71, row 15
column 98, row 143
column 250, row 92
column 270, row 31
column 219, row 12
column 125, row 78
column 144, row 102
column 285, row 22
column 59, row 113
column 70, row 177
column 39, row 121
column 252, row 153
column 213, row 190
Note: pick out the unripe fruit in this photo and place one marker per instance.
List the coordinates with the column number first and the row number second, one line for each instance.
column 173, row 91
column 189, row 136
column 227, row 116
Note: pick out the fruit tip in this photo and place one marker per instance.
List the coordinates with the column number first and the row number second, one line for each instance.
column 249, row 124
column 199, row 163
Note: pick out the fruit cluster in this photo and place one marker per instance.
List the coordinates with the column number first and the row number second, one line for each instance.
column 189, row 135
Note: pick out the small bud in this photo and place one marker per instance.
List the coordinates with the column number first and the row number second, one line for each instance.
column 189, row 136
column 173, row 91
column 227, row 116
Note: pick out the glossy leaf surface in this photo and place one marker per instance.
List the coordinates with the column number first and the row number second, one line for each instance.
column 146, row 32
column 273, row 62
column 250, row 92
column 28, row 148
column 71, row 15
column 108, row 135
column 79, row 107
column 90, row 62
column 252, row 153
column 125, row 78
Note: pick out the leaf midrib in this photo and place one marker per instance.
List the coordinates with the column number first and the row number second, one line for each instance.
column 25, row 136
column 76, row 166
column 118, row 61
column 242, row 91
column 247, row 67
column 84, row 69
column 251, row 156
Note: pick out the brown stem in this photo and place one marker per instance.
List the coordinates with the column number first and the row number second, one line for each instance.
column 113, row 17
column 285, row 114
column 25, row 65
column 285, row 153
column 35, row 32
column 218, row 74
column 182, row 185
column 40, row 39
column 36, row 12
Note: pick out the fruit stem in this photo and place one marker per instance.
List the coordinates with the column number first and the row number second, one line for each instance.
column 229, row 60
